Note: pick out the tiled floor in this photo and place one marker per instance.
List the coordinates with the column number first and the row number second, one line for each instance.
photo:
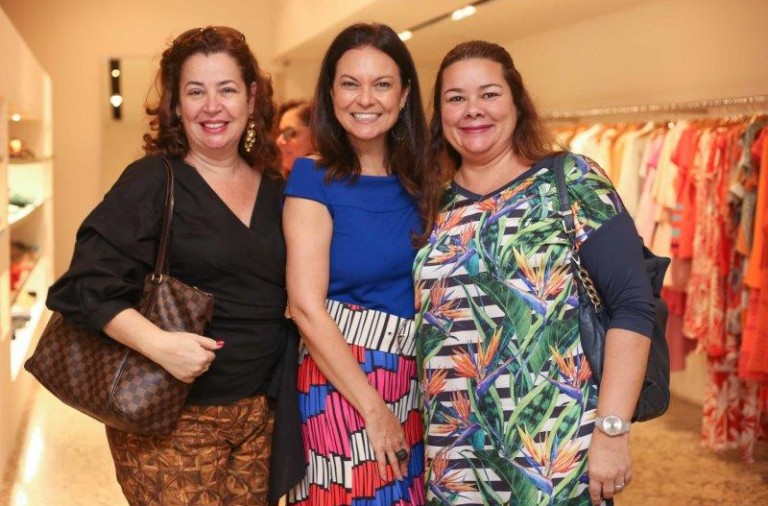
column 65, row 462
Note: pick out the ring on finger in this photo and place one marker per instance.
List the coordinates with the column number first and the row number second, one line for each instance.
column 401, row 454
column 619, row 486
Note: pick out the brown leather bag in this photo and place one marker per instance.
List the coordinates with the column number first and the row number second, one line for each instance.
column 111, row 382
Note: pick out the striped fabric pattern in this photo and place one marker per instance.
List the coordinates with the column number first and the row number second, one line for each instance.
column 341, row 467
column 509, row 401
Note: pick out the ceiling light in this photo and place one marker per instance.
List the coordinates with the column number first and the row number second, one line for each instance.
column 464, row 12
column 115, row 72
column 16, row 117
column 456, row 15
column 116, row 100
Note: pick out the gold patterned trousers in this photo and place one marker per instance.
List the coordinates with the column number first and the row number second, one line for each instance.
column 216, row 455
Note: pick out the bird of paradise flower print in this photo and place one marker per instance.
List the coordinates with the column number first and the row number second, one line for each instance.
column 509, row 399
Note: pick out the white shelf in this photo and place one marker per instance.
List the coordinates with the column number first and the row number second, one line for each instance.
column 25, row 211
column 36, row 280
column 28, row 161
column 25, row 335
column 29, row 277
column 25, row 90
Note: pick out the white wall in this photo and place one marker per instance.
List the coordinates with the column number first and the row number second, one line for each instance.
column 655, row 51
column 300, row 20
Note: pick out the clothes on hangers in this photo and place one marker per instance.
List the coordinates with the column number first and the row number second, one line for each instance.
column 698, row 191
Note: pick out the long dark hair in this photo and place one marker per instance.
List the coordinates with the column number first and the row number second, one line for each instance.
column 404, row 158
column 531, row 140
column 169, row 138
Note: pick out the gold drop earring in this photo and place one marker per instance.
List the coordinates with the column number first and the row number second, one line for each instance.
column 250, row 134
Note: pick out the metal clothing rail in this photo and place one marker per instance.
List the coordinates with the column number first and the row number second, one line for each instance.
column 698, row 106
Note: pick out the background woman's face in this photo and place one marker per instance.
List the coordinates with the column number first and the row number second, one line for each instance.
column 293, row 140
column 477, row 108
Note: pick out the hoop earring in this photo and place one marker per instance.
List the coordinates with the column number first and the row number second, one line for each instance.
column 250, row 135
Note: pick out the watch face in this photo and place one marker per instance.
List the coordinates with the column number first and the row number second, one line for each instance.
column 612, row 425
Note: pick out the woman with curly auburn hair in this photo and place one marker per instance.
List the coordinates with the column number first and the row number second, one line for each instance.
column 212, row 124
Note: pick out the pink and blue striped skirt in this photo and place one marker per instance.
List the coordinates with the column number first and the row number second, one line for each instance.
column 341, row 467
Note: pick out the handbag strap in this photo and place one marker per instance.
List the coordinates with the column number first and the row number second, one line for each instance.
column 566, row 213
column 161, row 264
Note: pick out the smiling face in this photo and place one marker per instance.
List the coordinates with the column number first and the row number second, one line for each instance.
column 294, row 139
column 367, row 95
column 478, row 111
column 214, row 104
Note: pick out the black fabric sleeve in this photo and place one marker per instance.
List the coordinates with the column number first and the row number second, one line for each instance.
column 613, row 257
column 115, row 249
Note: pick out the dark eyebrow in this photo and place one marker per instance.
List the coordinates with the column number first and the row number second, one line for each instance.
column 482, row 88
column 220, row 83
column 356, row 79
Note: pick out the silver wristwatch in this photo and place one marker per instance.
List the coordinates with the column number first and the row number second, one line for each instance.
column 611, row 425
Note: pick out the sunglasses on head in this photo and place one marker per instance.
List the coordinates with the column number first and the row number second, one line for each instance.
column 225, row 30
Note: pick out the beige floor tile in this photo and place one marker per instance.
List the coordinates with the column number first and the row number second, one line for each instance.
column 65, row 460
column 75, row 468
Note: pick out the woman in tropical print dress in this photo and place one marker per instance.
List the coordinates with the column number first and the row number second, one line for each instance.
column 509, row 403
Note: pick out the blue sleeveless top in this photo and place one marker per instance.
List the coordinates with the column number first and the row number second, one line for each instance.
column 371, row 253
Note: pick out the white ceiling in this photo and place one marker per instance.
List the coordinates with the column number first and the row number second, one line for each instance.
column 501, row 21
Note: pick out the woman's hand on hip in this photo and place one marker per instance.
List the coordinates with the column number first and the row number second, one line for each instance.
column 386, row 436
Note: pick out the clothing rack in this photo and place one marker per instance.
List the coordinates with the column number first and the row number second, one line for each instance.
column 756, row 102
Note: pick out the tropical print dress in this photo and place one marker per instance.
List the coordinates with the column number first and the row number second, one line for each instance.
column 508, row 394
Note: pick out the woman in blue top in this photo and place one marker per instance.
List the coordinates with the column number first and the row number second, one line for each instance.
column 350, row 219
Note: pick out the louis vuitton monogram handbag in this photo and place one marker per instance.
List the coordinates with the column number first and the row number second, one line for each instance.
column 111, row 382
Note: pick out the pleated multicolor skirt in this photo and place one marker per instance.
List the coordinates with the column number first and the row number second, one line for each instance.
column 341, row 467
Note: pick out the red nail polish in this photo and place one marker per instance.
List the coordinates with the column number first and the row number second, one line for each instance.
column 219, row 343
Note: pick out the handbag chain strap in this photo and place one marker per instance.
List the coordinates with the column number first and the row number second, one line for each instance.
column 161, row 264
column 566, row 213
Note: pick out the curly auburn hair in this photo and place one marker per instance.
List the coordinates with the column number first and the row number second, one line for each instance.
column 169, row 138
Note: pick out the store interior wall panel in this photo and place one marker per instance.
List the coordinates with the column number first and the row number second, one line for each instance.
column 653, row 52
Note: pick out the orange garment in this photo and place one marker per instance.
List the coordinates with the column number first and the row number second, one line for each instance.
column 752, row 277
column 757, row 362
column 684, row 218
